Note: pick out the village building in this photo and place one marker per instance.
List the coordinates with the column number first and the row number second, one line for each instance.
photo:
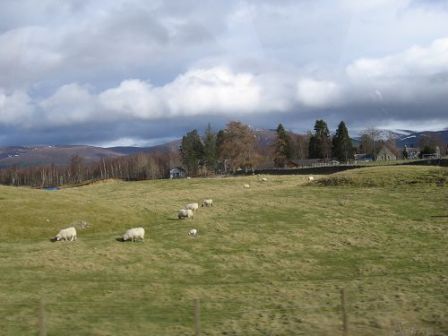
column 177, row 172
column 303, row 163
column 385, row 154
column 412, row 153
column 363, row 157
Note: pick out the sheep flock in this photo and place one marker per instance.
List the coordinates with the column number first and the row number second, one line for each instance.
column 138, row 233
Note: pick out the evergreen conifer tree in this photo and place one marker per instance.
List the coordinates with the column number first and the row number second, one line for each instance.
column 192, row 152
column 283, row 147
column 342, row 144
column 210, row 154
column 320, row 143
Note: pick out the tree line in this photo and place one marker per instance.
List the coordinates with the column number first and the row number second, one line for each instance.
column 235, row 147
column 140, row 166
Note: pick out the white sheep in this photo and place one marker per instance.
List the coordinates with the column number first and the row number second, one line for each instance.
column 247, row 186
column 264, row 179
column 207, row 202
column 66, row 234
column 185, row 213
column 193, row 232
column 310, row 178
column 192, row 206
column 134, row 234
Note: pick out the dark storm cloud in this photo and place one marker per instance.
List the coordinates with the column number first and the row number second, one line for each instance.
column 101, row 72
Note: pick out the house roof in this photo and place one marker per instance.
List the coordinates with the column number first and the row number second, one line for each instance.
column 362, row 156
column 178, row 168
column 412, row 150
column 386, row 150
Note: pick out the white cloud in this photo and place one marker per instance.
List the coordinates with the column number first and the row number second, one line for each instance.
column 369, row 5
column 417, row 74
column 142, row 61
column 210, row 91
column 414, row 76
column 318, row 93
column 26, row 54
column 71, row 104
column 135, row 142
column 132, row 98
column 15, row 108
column 413, row 62
column 216, row 91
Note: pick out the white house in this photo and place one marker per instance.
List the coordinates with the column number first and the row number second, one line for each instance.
column 385, row 154
column 177, row 172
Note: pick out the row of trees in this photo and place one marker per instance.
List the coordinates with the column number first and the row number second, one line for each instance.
column 134, row 167
column 231, row 148
column 236, row 147
column 320, row 144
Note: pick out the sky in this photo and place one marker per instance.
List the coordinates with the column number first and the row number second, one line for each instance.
column 143, row 72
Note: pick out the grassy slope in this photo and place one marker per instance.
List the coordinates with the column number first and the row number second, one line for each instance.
column 269, row 260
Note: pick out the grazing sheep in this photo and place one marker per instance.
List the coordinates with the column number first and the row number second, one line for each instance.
column 192, row 206
column 264, row 179
column 310, row 178
column 207, row 203
column 193, row 232
column 246, row 185
column 134, row 234
column 66, row 234
column 185, row 213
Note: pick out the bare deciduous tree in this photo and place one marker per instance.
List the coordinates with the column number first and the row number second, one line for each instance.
column 237, row 146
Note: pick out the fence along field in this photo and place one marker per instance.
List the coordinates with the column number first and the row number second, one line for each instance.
column 271, row 259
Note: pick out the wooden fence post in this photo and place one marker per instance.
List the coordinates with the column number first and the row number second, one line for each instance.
column 344, row 314
column 42, row 319
column 197, row 317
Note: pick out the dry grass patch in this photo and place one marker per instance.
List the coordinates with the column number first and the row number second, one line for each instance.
column 268, row 260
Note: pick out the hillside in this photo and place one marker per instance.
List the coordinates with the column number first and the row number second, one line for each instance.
column 59, row 155
column 269, row 260
column 413, row 139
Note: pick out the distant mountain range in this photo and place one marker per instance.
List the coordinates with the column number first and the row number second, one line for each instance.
column 412, row 139
column 28, row 156
column 60, row 155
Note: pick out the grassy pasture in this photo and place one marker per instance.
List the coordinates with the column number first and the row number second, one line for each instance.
column 269, row 260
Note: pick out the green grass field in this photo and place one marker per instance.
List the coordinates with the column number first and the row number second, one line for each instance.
column 269, row 260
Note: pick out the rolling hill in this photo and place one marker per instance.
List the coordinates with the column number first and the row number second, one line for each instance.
column 60, row 155
column 413, row 139
column 269, row 260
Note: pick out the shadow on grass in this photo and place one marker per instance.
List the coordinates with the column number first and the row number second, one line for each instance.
column 54, row 240
column 121, row 240
column 446, row 216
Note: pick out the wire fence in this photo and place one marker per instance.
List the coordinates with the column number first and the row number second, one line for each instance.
column 200, row 316
column 344, row 312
